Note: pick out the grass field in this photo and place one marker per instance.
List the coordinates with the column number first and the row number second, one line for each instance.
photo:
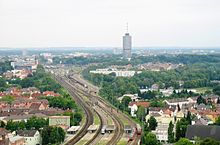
column 122, row 142
column 96, row 119
column 202, row 90
column 82, row 142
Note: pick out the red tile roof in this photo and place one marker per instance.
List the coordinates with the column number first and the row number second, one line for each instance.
column 141, row 103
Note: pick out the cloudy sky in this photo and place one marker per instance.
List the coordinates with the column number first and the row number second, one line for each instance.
column 91, row 23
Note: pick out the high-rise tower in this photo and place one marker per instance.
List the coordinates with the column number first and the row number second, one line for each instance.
column 127, row 45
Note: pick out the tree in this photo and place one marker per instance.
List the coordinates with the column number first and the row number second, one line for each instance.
column 209, row 141
column 216, row 90
column 181, row 126
column 36, row 123
column 217, row 122
column 52, row 135
column 201, row 100
column 77, row 117
column 171, row 138
column 12, row 126
column 152, row 123
column 9, row 99
column 183, row 141
column 141, row 113
column 2, row 124
column 3, row 84
column 189, row 117
column 157, row 104
column 150, row 139
column 148, row 95
column 218, row 101
column 125, row 101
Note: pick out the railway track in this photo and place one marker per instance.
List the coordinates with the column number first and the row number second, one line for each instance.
column 88, row 112
column 131, row 122
column 119, row 127
column 70, row 84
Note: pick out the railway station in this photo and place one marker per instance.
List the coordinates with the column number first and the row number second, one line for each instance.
column 128, row 129
column 110, row 128
column 73, row 129
column 92, row 128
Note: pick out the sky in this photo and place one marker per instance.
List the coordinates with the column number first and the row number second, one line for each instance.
column 102, row 23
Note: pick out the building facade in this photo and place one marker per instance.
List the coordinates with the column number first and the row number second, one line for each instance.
column 127, row 44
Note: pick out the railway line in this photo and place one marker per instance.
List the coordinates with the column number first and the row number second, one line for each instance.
column 119, row 127
column 137, row 138
column 117, row 122
column 89, row 114
column 77, row 89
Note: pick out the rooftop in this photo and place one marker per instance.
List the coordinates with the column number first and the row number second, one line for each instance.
column 27, row 133
column 203, row 131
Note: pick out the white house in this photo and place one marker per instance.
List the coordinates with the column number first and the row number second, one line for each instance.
column 161, row 132
column 133, row 106
column 32, row 137
column 134, row 97
column 180, row 101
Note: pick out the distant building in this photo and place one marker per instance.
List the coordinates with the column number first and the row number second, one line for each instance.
column 118, row 73
column 62, row 121
column 127, row 45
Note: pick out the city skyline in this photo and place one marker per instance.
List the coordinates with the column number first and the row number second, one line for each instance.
column 47, row 23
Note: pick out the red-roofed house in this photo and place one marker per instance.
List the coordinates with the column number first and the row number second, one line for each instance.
column 39, row 106
column 134, row 106
column 50, row 93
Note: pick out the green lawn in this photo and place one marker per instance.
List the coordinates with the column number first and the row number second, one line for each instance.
column 102, row 142
column 203, row 89
column 96, row 119
column 82, row 142
column 122, row 142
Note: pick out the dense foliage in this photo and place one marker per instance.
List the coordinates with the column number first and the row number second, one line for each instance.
column 5, row 66
column 171, row 137
column 181, row 127
column 152, row 123
column 184, row 141
column 116, row 59
column 52, row 135
column 61, row 102
column 209, row 141
column 32, row 123
column 193, row 76
column 40, row 79
column 150, row 139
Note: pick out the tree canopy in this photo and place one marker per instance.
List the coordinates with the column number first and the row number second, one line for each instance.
column 52, row 135
column 183, row 141
column 152, row 123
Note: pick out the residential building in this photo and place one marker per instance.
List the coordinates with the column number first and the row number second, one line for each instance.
column 16, row 140
column 4, row 139
column 134, row 97
column 63, row 121
column 194, row 132
column 161, row 132
column 180, row 101
column 133, row 106
column 32, row 137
